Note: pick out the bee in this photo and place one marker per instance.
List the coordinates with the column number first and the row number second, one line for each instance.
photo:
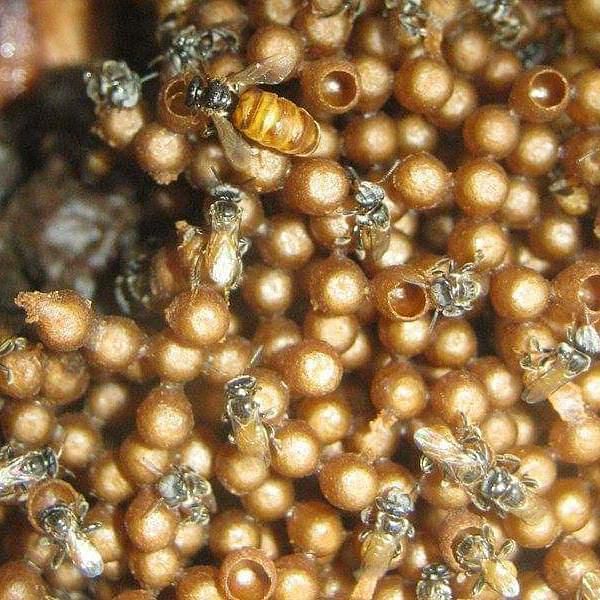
column 249, row 432
column 382, row 541
column 185, row 490
column 63, row 526
column 488, row 478
column 187, row 48
column 549, row 369
column 8, row 345
column 477, row 555
column 411, row 16
column 219, row 253
column 261, row 116
column 504, row 17
column 435, row 583
column 372, row 223
column 355, row 8
column 114, row 84
column 19, row 473
column 454, row 290
column 589, row 588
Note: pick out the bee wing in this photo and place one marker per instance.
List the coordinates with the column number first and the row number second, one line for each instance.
column 501, row 576
column 270, row 71
column 239, row 152
column 375, row 239
column 531, row 511
column 84, row 554
column 11, row 475
column 440, row 445
column 547, row 383
column 589, row 588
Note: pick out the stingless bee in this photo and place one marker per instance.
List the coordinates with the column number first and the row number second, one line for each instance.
column 8, row 345
column 263, row 117
column 218, row 254
column 382, row 541
column 249, row 432
column 435, row 583
column 411, row 16
column 477, row 555
column 488, row 478
column 355, row 8
column 113, row 84
column 187, row 48
column 372, row 224
column 183, row 489
column 589, row 588
column 547, row 370
column 504, row 17
column 19, row 472
column 63, row 526
column 454, row 290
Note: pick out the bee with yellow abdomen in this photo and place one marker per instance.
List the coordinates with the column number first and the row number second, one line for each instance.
column 263, row 117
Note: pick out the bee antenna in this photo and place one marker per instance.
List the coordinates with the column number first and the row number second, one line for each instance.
column 389, row 171
column 213, row 170
column 434, row 320
column 352, row 172
column 589, row 154
column 149, row 76
column 152, row 467
column 256, row 356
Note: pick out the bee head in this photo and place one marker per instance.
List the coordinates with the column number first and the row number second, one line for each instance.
column 223, row 213
column 436, row 572
column 394, row 502
column 114, row 84
column 587, row 339
column 172, row 487
column 500, row 484
column 369, row 194
column 57, row 521
column 226, row 191
column 50, row 461
column 243, row 386
column 214, row 97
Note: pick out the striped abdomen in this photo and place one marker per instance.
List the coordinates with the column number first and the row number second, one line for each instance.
column 275, row 122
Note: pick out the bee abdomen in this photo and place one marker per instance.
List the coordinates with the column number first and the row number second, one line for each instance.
column 275, row 122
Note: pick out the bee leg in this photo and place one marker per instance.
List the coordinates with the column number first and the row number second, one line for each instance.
column 6, row 452
column 508, row 548
column 93, row 527
column 478, row 587
column 244, row 245
column 480, row 503
column 488, row 534
column 426, row 465
column 7, row 372
column 58, row 558
column 272, row 435
column 198, row 515
column 82, row 507
column 436, row 317
column 509, row 461
column 529, row 482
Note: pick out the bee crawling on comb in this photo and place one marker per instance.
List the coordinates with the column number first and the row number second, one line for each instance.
column 490, row 479
column 477, row 555
column 548, row 369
